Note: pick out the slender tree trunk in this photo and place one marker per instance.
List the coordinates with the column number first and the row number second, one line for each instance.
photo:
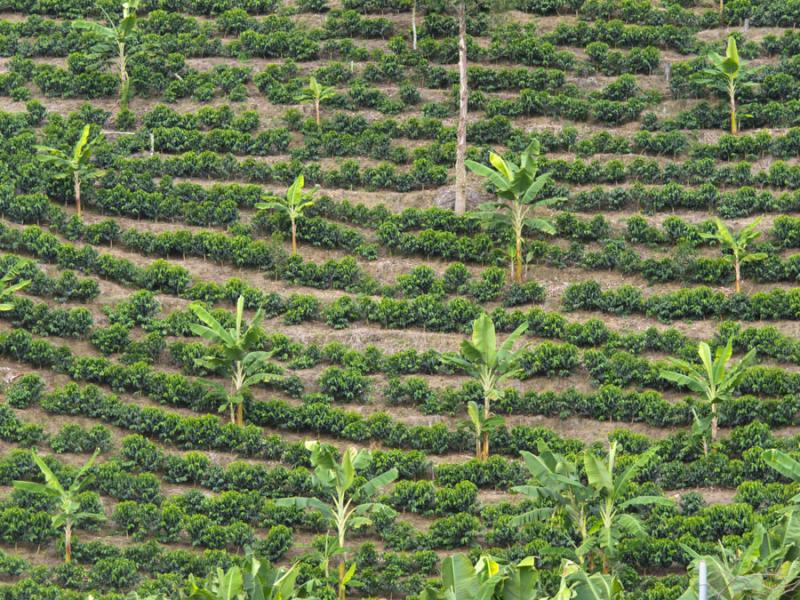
column 461, row 133
column 294, row 237
column 68, row 541
column 714, row 422
column 316, row 110
column 518, row 258
column 76, row 180
column 478, row 445
column 721, row 8
column 240, row 413
column 737, row 269
column 414, row 25
column 734, row 126
column 342, row 594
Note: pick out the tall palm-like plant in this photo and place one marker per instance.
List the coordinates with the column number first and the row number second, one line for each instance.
column 68, row 509
column 315, row 93
column 491, row 365
column 337, row 480
column 726, row 72
column 557, row 480
column 714, row 378
column 489, row 579
column 518, row 188
column 768, row 568
column 258, row 580
column 77, row 165
column 114, row 39
column 9, row 289
column 613, row 499
column 598, row 511
column 238, row 355
column 737, row 243
column 295, row 203
column 784, row 464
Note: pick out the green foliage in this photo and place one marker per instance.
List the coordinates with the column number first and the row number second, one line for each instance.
column 238, row 357
column 491, row 366
column 69, row 509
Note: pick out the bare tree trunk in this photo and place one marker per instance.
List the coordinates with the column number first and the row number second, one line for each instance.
column 463, row 95
column 294, row 237
column 316, row 110
column 414, row 24
column 518, row 258
column 76, row 180
column 734, row 125
column 737, row 269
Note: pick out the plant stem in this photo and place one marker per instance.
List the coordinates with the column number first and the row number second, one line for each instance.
column 68, row 541
column 76, row 180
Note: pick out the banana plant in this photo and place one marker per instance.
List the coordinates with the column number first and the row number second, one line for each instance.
column 556, row 480
column 577, row 584
column 238, row 355
column 336, row 480
column 613, row 500
column 701, row 428
column 784, row 464
column 9, row 289
column 726, row 72
column 68, row 510
column 736, row 244
column 295, row 203
column 599, row 511
column 76, row 166
column 518, row 188
column 768, row 568
column 714, row 379
column 491, row 365
column 258, row 580
column 487, row 579
column 481, row 424
column 114, row 38
column 316, row 93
